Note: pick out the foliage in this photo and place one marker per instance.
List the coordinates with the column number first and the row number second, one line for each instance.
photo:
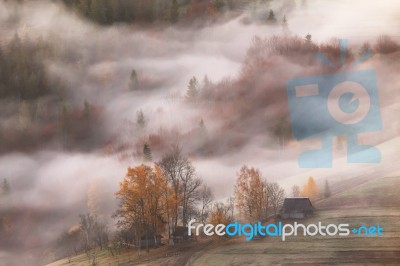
column 144, row 201
column 310, row 189
column 219, row 214
column 386, row 45
column 193, row 89
column 174, row 16
column 22, row 70
column 251, row 194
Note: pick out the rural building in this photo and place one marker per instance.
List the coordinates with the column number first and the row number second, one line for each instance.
column 152, row 241
column 180, row 234
column 296, row 208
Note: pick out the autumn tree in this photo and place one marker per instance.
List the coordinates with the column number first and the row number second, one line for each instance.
column 219, row 214
column 251, row 194
column 276, row 195
column 142, row 202
column 93, row 199
column 310, row 189
column 295, row 191
column 180, row 174
column 327, row 190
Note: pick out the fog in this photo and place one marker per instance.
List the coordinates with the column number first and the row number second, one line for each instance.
column 56, row 182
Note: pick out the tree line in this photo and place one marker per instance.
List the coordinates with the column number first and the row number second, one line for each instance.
column 107, row 12
column 156, row 198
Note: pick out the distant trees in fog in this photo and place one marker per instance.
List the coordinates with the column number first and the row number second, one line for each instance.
column 327, row 190
column 108, row 12
column 295, row 191
column 193, row 89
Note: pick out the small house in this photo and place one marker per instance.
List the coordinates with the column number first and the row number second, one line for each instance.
column 181, row 234
column 296, row 208
column 151, row 241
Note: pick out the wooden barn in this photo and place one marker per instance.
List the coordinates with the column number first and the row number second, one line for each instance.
column 296, row 208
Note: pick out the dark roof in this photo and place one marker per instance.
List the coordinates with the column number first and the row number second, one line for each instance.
column 180, row 231
column 298, row 204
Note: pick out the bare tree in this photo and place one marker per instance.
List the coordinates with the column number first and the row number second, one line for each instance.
column 206, row 198
column 100, row 233
column 276, row 195
column 296, row 191
column 185, row 184
column 86, row 224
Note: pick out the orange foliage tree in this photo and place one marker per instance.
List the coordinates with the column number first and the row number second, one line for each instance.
column 144, row 201
column 310, row 189
column 251, row 194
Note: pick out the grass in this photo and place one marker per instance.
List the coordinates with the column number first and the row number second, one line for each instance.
column 347, row 207
column 372, row 203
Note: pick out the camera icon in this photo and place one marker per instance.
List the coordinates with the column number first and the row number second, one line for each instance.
column 344, row 103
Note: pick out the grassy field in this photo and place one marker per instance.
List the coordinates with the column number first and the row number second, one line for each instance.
column 371, row 203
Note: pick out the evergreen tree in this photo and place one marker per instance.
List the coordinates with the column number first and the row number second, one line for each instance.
column 327, row 190
column 219, row 4
column 271, row 17
column 206, row 82
column 133, row 81
column 98, row 11
column 5, row 187
column 193, row 89
column 140, row 119
column 201, row 124
column 308, row 38
column 86, row 109
column 65, row 124
column 284, row 21
column 147, row 153
column 174, row 11
column 285, row 26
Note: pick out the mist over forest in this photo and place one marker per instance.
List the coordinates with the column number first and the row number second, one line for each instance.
column 90, row 88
